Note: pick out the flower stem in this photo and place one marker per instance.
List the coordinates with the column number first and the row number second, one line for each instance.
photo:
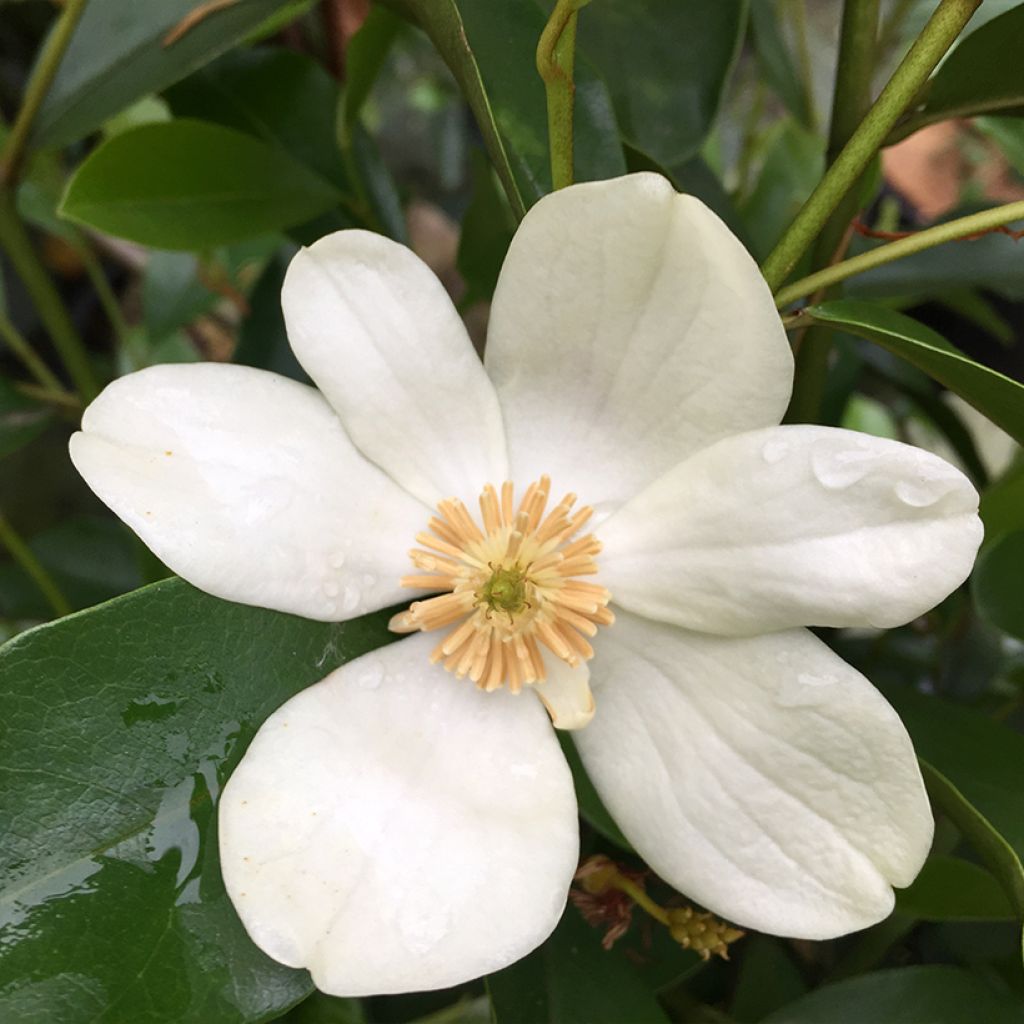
column 19, row 345
column 962, row 227
column 22, row 554
column 38, row 86
column 851, row 100
column 936, row 38
column 556, row 54
column 15, row 241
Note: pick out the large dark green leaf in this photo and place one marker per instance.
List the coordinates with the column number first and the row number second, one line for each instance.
column 120, row 52
column 998, row 584
column 777, row 65
column 192, row 185
column 952, row 889
column 981, row 76
column 974, row 768
column 120, row 725
column 572, row 980
column 912, row 995
column 487, row 230
column 999, row 397
column 665, row 64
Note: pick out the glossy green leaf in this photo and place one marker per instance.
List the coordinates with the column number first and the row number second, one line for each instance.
column 364, row 59
column 768, row 978
column 910, row 995
column 1002, row 505
column 172, row 293
column 120, row 726
column 974, row 769
column 998, row 584
column 285, row 99
column 999, row 397
column 119, row 53
column 592, row 810
column 572, row 980
column 981, row 76
column 192, row 185
column 22, row 419
column 953, row 889
column 665, row 64
column 323, row 1009
column 487, row 230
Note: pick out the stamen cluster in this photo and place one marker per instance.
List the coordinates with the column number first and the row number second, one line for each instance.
column 509, row 586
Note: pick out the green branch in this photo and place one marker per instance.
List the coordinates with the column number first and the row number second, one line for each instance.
column 962, row 227
column 28, row 357
column 556, row 55
column 39, row 84
column 34, row 569
column 936, row 38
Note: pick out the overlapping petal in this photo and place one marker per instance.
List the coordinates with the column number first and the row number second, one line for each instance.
column 377, row 332
column 394, row 829
column 797, row 525
column 761, row 776
column 244, row 483
column 566, row 694
column 629, row 329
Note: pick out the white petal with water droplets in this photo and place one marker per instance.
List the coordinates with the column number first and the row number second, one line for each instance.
column 629, row 328
column 763, row 777
column 375, row 329
column 394, row 829
column 244, row 483
column 791, row 526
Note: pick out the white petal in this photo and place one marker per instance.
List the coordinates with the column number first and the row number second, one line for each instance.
column 566, row 694
column 793, row 526
column 394, row 829
column 762, row 777
column 245, row 484
column 375, row 329
column 629, row 328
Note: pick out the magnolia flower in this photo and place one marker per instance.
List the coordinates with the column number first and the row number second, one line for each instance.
column 396, row 827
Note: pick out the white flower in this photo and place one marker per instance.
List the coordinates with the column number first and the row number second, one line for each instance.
column 396, row 828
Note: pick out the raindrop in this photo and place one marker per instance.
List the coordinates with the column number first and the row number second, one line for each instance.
column 775, row 451
column 922, row 493
column 151, row 708
column 350, row 599
column 370, row 675
column 331, row 588
column 836, row 470
column 806, row 690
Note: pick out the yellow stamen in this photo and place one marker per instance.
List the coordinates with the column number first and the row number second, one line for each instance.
column 507, row 586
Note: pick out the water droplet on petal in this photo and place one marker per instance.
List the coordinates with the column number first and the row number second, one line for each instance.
column 370, row 675
column 921, row 493
column 838, row 469
column 350, row 599
column 775, row 451
column 331, row 589
column 806, row 690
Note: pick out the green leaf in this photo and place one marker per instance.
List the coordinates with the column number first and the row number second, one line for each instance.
column 981, row 76
column 285, row 99
column 487, row 230
column 119, row 54
column 192, row 185
column 22, row 419
column 665, row 64
column 364, row 59
column 999, row 397
column 592, row 810
column 768, row 978
column 1002, row 505
column 572, row 980
column 974, row 769
column 911, row 995
column 953, row 889
column 172, row 293
column 120, row 726
column 998, row 584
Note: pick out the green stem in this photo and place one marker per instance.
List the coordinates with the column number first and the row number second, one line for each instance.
column 851, row 99
column 39, row 84
column 962, row 227
column 15, row 241
column 556, row 53
column 60, row 397
column 22, row 554
column 19, row 345
column 937, row 37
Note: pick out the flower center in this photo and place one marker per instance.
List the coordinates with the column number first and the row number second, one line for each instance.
column 510, row 585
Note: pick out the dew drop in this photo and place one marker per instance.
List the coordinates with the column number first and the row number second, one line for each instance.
column 370, row 675
column 775, row 451
column 921, row 493
column 838, row 469
column 350, row 599
column 369, row 580
column 331, row 589
column 806, row 690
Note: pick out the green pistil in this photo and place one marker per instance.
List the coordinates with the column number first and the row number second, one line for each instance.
column 505, row 591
